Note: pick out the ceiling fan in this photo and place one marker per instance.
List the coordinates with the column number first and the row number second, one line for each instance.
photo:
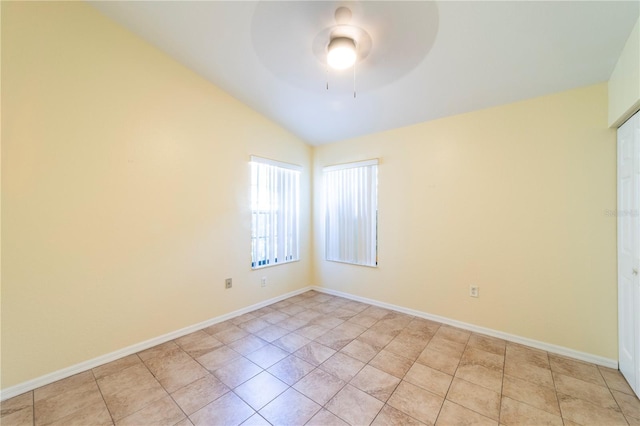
column 302, row 42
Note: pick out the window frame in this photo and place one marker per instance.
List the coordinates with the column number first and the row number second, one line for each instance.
column 284, row 217
column 351, row 252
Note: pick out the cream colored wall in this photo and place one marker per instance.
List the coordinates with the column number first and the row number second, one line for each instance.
column 512, row 199
column 624, row 83
column 124, row 203
column 125, row 187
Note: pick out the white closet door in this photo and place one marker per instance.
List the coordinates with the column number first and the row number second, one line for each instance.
column 629, row 250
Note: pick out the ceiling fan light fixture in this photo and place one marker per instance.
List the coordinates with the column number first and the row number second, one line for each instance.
column 341, row 53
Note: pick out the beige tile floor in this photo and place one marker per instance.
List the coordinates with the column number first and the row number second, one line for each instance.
column 317, row 359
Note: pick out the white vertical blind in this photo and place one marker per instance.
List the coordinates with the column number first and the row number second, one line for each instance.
column 351, row 194
column 275, row 209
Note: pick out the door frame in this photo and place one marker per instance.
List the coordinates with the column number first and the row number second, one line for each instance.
column 628, row 221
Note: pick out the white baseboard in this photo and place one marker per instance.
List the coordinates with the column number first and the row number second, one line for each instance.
column 30, row 385
column 560, row 350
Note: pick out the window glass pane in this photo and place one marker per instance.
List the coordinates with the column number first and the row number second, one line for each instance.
column 275, row 196
column 351, row 213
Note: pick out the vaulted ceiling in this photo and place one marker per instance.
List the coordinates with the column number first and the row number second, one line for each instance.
column 427, row 59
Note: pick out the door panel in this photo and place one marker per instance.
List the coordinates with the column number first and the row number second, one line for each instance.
column 629, row 250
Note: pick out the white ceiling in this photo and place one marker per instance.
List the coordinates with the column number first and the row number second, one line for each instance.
column 428, row 59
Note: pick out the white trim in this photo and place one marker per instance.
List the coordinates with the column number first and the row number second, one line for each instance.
column 560, row 350
column 32, row 384
column 256, row 159
column 365, row 163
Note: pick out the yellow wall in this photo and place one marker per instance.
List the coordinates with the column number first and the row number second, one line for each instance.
column 124, row 192
column 125, row 203
column 624, row 84
column 511, row 199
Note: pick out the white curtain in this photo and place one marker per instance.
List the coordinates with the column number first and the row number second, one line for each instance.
column 275, row 207
column 351, row 194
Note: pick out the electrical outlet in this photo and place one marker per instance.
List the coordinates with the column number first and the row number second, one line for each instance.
column 474, row 291
column 263, row 282
column 228, row 283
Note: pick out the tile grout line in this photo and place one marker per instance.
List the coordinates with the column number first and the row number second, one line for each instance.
column 158, row 381
column 290, row 354
column 590, row 383
column 504, row 367
column 383, row 348
column 113, row 421
column 444, row 399
column 453, row 377
column 500, row 394
column 358, row 372
column 176, row 402
column 612, row 395
column 555, row 389
column 33, row 407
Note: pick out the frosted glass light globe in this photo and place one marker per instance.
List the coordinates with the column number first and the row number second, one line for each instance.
column 342, row 53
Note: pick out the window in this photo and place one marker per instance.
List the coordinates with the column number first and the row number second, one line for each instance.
column 275, row 211
column 352, row 212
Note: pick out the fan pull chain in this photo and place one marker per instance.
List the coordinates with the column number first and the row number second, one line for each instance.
column 354, row 81
column 327, row 75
